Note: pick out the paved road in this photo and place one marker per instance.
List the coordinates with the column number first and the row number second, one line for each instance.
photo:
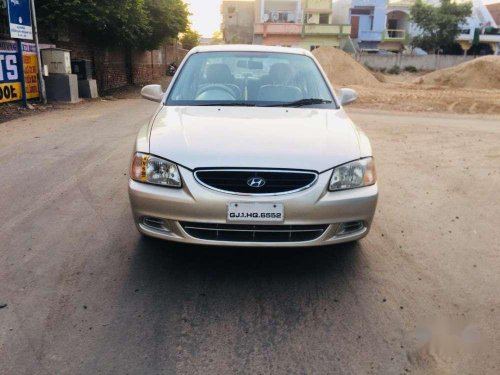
column 87, row 295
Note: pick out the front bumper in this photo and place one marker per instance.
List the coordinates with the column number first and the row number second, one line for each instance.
column 195, row 203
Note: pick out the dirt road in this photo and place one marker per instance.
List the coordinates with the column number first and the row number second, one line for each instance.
column 86, row 295
column 408, row 97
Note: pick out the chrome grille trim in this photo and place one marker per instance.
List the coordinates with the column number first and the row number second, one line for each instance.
column 312, row 173
column 254, row 233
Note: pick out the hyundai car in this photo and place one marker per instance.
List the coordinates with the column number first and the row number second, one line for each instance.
column 251, row 146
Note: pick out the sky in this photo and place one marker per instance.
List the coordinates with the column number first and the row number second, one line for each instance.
column 206, row 16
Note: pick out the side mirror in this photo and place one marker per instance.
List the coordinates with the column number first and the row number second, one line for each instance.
column 152, row 92
column 348, row 96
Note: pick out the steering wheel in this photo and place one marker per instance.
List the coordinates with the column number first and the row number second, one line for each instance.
column 216, row 87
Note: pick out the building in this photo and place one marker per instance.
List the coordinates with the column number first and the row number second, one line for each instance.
column 494, row 10
column 399, row 29
column 482, row 27
column 354, row 25
column 368, row 20
column 237, row 21
column 381, row 24
column 386, row 25
column 204, row 41
column 278, row 22
column 298, row 23
column 319, row 29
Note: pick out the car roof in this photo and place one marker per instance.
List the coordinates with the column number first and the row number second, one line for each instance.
column 248, row 48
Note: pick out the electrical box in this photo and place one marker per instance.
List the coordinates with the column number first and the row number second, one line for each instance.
column 58, row 60
column 82, row 68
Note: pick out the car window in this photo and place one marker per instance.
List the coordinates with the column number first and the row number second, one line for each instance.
column 249, row 78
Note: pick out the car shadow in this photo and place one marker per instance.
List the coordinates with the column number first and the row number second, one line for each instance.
column 179, row 301
column 155, row 256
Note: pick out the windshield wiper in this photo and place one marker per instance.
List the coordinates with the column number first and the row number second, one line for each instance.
column 302, row 102
column 230, row 104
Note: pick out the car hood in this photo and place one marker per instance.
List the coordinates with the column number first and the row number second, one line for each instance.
column 250, row 137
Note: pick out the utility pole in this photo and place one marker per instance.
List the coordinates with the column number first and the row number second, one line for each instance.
column 21, row 71
column 43, row 93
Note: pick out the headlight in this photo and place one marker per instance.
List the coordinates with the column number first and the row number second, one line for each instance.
column 352, row 175
column 153, row 170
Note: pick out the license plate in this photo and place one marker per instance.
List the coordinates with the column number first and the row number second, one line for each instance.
column 256, row 212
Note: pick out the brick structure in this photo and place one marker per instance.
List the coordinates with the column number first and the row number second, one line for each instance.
column 121, row 67
column 147, row 65
column 112, row 69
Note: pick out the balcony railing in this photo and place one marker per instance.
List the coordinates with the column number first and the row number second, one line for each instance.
column 395, row 35
column 280, row 16
column 314, row 29
column 278, row 28
column 370, row 36
column 484, row 38
column 400, row 3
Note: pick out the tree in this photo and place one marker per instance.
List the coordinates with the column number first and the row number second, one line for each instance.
column 131, row 23
column 235, row 40
column 167, row 18
column 113, row 22
column 4, row 26
column 190, row 39
column 440, row 25
column 217, row 38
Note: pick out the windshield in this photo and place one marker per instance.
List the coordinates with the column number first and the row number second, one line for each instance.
column 250, row 79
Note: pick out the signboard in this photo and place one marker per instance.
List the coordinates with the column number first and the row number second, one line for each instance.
column 10, row 85
column 20, row 19
column 10, row 71
column 30, row 62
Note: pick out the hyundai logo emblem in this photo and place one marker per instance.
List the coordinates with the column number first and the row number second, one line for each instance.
column 256, row 182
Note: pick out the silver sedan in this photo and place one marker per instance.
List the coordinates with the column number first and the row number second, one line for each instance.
column 250, row 146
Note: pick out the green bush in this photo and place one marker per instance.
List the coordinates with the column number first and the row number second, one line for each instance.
column 411, row 69
column 394, row 70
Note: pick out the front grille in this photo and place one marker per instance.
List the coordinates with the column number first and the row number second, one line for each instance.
column 238, row 181
column 254, row 233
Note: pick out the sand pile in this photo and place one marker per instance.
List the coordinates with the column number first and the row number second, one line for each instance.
column 480, row 73
column 342, row 69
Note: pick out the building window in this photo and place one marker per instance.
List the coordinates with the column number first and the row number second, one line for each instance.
column 361, row 11
column 283, row 17
column 231, row 9
column 324, row 19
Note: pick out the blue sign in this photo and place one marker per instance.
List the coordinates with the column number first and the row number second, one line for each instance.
column 10, row 80
column 20, row 19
